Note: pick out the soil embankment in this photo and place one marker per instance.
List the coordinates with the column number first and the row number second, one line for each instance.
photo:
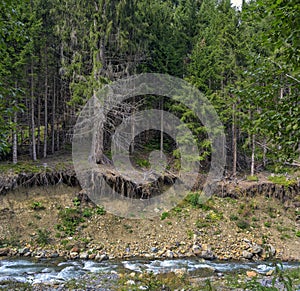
column 245, row 220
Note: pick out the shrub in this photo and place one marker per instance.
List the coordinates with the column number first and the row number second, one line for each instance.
column 100, row 210
column 43, row 237
column 36, row 205
column 71, row 218
column 242, row 224
column 164, row 215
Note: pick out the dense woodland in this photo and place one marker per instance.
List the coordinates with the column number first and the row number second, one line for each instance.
column 55, row 53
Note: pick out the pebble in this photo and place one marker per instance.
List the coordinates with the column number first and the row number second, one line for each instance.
column 251, row 274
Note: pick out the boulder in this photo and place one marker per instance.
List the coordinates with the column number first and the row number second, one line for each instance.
column 247, row 255
column 4, row 252
column 208, row 255
column 169, row 254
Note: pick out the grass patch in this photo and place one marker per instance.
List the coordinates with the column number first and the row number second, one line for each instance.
column 164, row 215
column 282, row 180
column 197, row 201
column 70, row 219
column 37, row 205
column 267, row 224
column 100, row 210
column 43, row 237
column 242, row 224
column 252, row 178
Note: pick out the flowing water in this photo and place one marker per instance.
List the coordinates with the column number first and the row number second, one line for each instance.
column 55, row 271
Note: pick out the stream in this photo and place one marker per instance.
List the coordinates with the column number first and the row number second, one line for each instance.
column 57, row 271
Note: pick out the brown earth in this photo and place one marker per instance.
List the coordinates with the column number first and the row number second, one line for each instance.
column 224, row 227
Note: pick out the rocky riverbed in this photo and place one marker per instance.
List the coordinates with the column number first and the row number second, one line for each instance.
column 135, row 274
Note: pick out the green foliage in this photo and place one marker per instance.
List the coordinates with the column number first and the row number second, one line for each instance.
column 196, row 200
column 267, row 224
column 214, row 216
column 43, row 237
column 76, row 202
column 143, row 163
column 87, row 212
column 233, row 217
column 252, row 178
column 70, row 219
column 164, row 215
column 100, row 210
column 282, row 180
column 37, row 205
column 242, row 224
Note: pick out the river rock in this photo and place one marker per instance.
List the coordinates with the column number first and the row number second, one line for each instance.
column 101, row 257
column 130, row 282
column 74, row 255
column 28, row 254
column 270, row 250
column 196, row 250
column 92, row 256
column 75, row 250
column 4, row 251
column 169, row 254
column 54, row 255
column 256, row 249
column 84, row 255
column 251, row 274
column 208, row 255
column 247, row 255
column 154, row 249
column 23, row 251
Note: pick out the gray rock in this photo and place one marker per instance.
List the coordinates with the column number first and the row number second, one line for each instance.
column 23, row 251
column 169, row 254
column 84, row 256
column 154, row 250
column 74, row 255
column 256, row 249
column 196, row 250
column 102, row 257
column 208, row 255
column 4, row 252
column 247, row 255
column 270, row 250
column 28, row 254
column 54, row 255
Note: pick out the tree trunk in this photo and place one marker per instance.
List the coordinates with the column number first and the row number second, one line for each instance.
column 253, row 155
column 53, row 118
column 234, row 142
column 33, row 143
column 46, row 111
column 15, row 140
column 39, row 127
column 161, row 127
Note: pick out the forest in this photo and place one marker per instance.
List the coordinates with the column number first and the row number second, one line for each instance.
column 55, row 53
